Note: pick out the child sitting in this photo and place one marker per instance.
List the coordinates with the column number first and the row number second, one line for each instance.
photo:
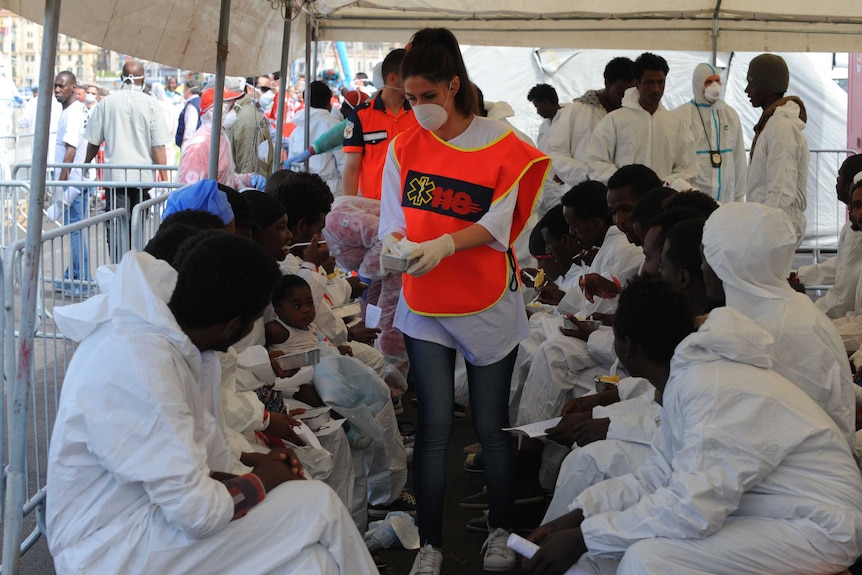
column 292, row 330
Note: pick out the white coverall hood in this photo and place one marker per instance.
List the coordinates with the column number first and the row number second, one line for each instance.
column 139, row 278
column 499, row 110
column 726, row 334
column 750, row 247
column 701, row 72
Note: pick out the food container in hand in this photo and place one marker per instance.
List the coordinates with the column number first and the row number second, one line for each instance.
column 395, row 264
column 606, row 382
column 591, row 323
column 297, row 360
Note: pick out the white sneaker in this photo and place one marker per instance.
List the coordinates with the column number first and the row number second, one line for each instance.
column 428, row 561
column 498, row 556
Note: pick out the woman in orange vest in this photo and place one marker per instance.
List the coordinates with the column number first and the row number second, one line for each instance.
column 457, row 192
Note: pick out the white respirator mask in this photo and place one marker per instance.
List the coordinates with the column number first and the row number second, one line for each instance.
column 229, row 118
column 432, row 116
column 266, row 99
column 712, row 92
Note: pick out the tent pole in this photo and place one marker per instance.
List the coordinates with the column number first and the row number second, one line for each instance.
column 309, row 30
column 221, row 64
column 279, row 114
column 18, row 397
column 715, row 33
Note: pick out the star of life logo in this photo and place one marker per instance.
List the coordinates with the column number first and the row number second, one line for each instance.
column 452, row 197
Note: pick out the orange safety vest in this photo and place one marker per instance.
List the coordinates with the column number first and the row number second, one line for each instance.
column 469, row 281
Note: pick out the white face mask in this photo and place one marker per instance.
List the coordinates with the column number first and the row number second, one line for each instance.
column 229, row 119
column 432, row 116
column 266, row 99
column 712, row 92
column 130, row 81
column 90, row 98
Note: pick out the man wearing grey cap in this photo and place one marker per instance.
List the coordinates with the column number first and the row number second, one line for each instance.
column 778, row 168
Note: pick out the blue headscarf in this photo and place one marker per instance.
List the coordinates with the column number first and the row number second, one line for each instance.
column 203, row 195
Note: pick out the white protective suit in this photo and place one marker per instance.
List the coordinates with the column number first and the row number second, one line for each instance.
column 748, row 475
column 569, row 142
column 548, row 370
column 842, row 272
column 329, row 165
column 631, row 135
column 778, row 171
column 136, row 436
column 750, row 247
column 244, row 411
column 634, row 421
column 552, row 192
column 715, row 127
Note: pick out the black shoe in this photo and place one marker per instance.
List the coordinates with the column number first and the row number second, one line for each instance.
column 406, row 502
column 480, row 525
column 524, row 494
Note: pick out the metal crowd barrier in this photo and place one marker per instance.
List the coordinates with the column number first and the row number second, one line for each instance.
column 14, row 193
column 823, row 165
column 13, row 210
column 21, row 170
column 14, row 150
column 25, row 480
column 146, row 218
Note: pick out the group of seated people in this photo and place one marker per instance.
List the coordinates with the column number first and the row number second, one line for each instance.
column 726, row 445
column 729, row 442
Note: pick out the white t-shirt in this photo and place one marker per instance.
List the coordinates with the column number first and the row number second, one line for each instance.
column 483, row 338
column 70, row 130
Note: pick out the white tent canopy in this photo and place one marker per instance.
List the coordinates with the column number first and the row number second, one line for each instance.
column 182, row 33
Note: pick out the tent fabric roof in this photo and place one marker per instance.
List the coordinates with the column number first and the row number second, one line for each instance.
column 182, row 33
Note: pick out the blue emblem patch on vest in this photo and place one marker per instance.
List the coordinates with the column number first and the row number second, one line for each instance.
column 455, row 198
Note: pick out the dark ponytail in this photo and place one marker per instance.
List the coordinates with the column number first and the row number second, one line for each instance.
column 434, row 54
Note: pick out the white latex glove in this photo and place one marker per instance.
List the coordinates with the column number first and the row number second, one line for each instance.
column 389, row 243
column 428, row 254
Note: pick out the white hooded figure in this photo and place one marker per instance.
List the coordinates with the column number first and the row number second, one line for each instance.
column 631, row 135
column 747, row 475
column 750, row 248
column 137, row 435
column 717, row 133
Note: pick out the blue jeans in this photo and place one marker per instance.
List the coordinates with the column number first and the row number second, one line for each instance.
column 433, row 368
column 79, row 266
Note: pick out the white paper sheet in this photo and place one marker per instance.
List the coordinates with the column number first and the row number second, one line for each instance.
column 534, row 430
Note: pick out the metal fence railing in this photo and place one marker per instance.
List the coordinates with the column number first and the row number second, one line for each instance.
column 101, row 196
column 14, row 150
column 61, row 283
column 128, row 173
column 146, row 218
